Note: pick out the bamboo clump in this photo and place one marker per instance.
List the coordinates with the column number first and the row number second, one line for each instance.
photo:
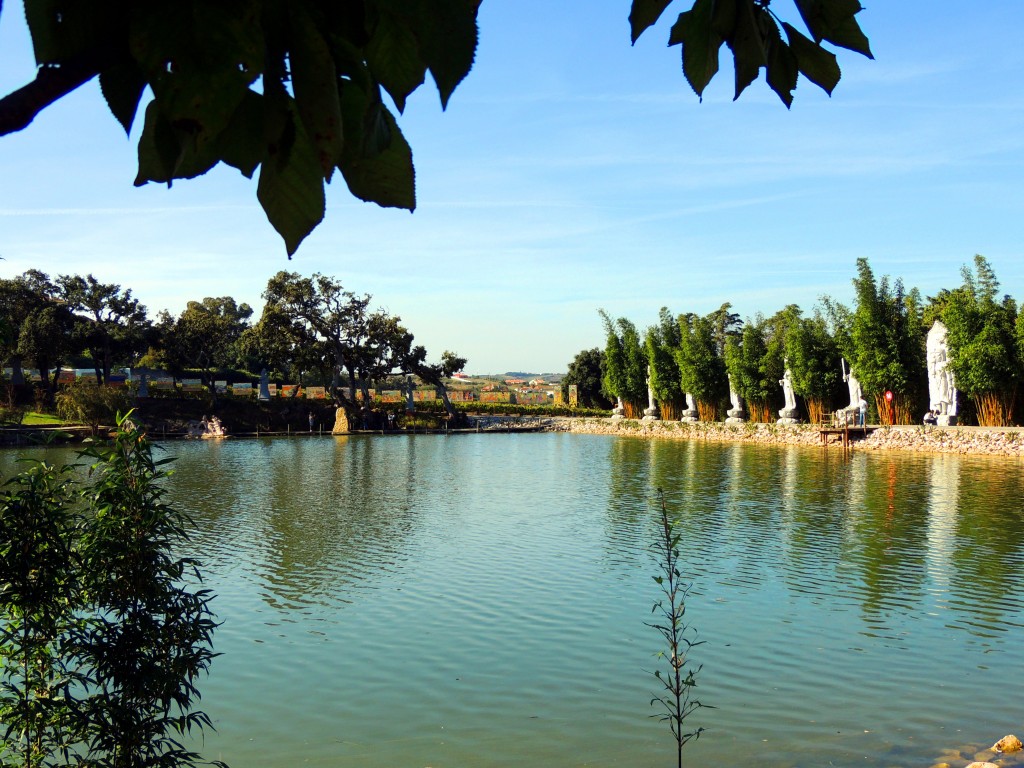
column 993, row 409
column 707, row 411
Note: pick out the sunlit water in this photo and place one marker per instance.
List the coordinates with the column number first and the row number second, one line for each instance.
column 480, row 600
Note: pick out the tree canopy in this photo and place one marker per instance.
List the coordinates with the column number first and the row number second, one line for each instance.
column 297, row 90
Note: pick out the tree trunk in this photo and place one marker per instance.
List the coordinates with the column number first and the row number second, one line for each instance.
column 442, row 390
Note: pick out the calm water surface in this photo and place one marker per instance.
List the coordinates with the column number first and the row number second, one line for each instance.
column 480, row 600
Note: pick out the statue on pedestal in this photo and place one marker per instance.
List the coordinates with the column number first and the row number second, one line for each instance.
column 690, row 414
column 848, row 415
column 650, row 412
column 264, row 393
column 941, row 386
column 735, row 415
column 788, row 415
column 618, row 412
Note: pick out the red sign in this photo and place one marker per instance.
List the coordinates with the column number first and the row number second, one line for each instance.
column 888, row 396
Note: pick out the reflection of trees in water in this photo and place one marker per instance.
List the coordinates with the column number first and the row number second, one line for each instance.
column 724, row 496
column 887, row 542
column 814, row 519
column 629, row 523
column 987, row 561
column 337, row 514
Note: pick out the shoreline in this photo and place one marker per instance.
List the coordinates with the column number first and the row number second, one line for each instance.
column 963, row 441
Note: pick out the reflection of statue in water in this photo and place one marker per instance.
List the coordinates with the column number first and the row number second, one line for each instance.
column 941, row 387
column 735, row 414
column 789, row 413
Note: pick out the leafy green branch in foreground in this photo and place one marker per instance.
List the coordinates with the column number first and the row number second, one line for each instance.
column 675, row 697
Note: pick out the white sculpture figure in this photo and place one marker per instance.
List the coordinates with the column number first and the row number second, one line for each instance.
column 650, row 412
column 735, row 414
column 848, row 415
column 206, row 428
column 619, row 411
column 690, row 414
column 789, row 413
column 941, row 386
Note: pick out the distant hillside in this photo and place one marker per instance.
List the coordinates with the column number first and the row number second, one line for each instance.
column 528, row 375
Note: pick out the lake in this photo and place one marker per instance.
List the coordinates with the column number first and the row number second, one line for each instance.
column 480, row 600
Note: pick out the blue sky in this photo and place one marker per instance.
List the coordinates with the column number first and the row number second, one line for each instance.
column 573, row 172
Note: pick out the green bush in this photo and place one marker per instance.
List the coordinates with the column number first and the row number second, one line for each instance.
column 86, row 402
column 104, row 630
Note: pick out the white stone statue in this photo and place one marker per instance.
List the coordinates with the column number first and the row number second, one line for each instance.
column 735, row 414
column 206, row 428
column 941, row 386
column 789, row 413
column 264, row 393
column 848, row 415
column 651, row 411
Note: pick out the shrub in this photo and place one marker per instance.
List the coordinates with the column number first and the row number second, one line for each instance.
column 86, row 402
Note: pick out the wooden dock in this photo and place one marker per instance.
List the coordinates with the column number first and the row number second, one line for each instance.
column 846, row 434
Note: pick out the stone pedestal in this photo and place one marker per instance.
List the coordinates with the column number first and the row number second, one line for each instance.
column 341, row 426
column 690, row 415
column 618, row 412
column 788, row 416
column 651, row 414
column 946, row 420
column 734, row 416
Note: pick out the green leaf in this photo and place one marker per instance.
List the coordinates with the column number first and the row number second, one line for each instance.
column 158, row 148
column 833, row 20
column 64, row 30
column 122, row 86
column 644, row 14
column 243, row 143
column 695, row 31
column 378, row 168
column 817, row 65
column 748, row 48
column 782, row 67
column 315, row 83
column 393, row 57
column 447, row 34
column 199, row 61
column 291, row 185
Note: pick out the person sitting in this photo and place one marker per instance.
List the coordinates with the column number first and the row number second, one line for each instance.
column 931, row 418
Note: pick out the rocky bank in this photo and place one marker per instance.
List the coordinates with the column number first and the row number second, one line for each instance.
column 977, row 441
